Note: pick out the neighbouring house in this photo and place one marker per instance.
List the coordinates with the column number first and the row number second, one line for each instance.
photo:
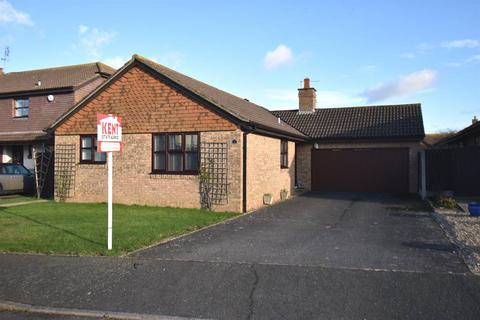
column 187, row 144
column 32, row 100
column 467, row 137
column 356, row 149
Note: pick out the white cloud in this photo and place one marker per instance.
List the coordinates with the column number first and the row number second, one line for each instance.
column 115, row 62
column 405, row 85
column 281, row 55
column 325, row 98
column 92, row 40
column 465, row 43
column 8, row 14
column 472, row 60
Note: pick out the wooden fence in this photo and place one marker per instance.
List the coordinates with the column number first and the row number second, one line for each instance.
column 456, row 169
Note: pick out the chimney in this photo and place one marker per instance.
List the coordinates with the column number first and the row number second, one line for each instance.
column 474, row 120
column 1, row 71
column 307, row 97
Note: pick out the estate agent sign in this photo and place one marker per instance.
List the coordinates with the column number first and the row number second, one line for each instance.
column 109, row 133
column 109, row 139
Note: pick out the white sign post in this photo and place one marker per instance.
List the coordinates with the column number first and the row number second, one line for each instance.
column 109, row 139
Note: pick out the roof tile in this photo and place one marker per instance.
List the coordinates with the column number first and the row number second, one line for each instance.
column 369, row 122
column 52, row 78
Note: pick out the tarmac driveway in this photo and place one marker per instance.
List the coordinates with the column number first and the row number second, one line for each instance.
column 353, row 231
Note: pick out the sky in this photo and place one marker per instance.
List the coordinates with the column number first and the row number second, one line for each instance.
column 355, row 52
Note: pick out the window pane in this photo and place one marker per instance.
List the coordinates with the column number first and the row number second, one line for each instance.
column 21, row 112
column 86, row 142
column 175, row 162
column 175, row 142
column 21, row 107
column 159, row 143
column 86, row 154
column 159, row 161
column 100, row 156
column 191, row 161
column 191, row 142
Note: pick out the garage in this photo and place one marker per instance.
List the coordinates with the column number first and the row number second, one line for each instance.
column 383, row 170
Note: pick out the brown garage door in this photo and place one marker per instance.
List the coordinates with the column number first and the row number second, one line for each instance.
column 360, row 170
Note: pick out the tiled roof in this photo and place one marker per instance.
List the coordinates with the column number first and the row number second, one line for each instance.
column 240, row 108
column 474, row 128
column 52, row 78
column 370, row 122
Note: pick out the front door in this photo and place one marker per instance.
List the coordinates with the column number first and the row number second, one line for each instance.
column 17, row 154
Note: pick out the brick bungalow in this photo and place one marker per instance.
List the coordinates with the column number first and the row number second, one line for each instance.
column 175, row 126
column 170, row 123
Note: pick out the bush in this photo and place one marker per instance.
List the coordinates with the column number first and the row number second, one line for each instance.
column 447, row 202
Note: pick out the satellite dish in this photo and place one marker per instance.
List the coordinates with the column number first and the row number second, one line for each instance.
column 50, row 97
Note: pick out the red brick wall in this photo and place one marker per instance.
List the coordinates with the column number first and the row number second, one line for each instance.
column 146, row 105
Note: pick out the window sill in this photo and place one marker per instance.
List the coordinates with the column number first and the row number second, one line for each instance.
column 172, row 173
column 18, row 118
column 171, row 176
column 282, row 167
column 89, row 162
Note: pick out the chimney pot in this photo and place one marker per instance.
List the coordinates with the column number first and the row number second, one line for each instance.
column 474, row 120
column 306, row 83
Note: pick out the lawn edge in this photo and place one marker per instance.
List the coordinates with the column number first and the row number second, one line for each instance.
column 238, row 216
column 89, row 313
column 169, row 239
column 126, row 253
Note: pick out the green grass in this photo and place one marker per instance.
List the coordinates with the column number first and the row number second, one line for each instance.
column 73, row 228
column 15, row 198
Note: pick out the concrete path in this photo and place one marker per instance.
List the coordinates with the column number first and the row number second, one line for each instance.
column 314, row 257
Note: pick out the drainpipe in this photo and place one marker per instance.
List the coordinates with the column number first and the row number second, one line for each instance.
column 244, row 173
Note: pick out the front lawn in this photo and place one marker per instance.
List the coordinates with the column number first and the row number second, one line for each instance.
column 73, row 228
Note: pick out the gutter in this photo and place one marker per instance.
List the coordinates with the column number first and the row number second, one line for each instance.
column 37, row 92
column 244, row 173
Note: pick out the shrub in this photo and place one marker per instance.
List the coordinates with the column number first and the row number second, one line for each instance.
column 447, row 202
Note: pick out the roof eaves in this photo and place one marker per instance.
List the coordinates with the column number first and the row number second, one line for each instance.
column 39, row 91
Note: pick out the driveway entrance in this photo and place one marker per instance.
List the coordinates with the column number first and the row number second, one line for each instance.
column 355, row 231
